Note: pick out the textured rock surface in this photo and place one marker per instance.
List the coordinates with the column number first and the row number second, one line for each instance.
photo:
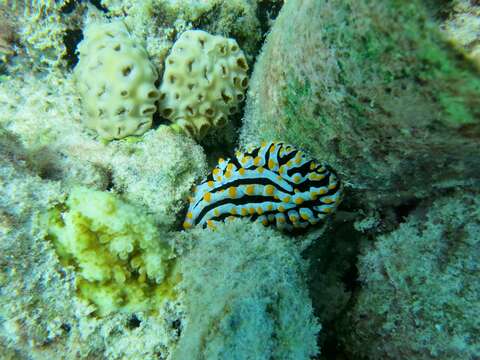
column 369, row 86
column 245, row 296
column 373, row 88
column 420, row 287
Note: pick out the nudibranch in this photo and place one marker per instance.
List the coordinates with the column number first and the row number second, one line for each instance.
column 274, row 183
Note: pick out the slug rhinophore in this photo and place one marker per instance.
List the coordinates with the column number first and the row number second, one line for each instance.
column 274, row 183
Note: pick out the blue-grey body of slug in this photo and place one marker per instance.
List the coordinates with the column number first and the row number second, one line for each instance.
column 274, row 183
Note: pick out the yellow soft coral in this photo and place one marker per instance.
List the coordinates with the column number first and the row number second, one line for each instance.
column 121, row 260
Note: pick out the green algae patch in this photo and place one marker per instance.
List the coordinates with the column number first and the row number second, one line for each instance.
column 410, row 48
column 120, row 257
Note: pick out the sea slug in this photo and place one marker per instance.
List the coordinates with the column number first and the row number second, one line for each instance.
column 274, row 183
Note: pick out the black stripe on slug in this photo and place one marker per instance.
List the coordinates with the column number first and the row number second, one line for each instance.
column 251, row 181
column 255, row 200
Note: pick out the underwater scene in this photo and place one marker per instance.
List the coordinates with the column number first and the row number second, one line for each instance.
column 239, row 179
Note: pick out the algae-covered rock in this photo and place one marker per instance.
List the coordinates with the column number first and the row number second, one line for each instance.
column 245, row 297
column 373, row 88
column 420, row 287
column 30, row 283
column 158, row 172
